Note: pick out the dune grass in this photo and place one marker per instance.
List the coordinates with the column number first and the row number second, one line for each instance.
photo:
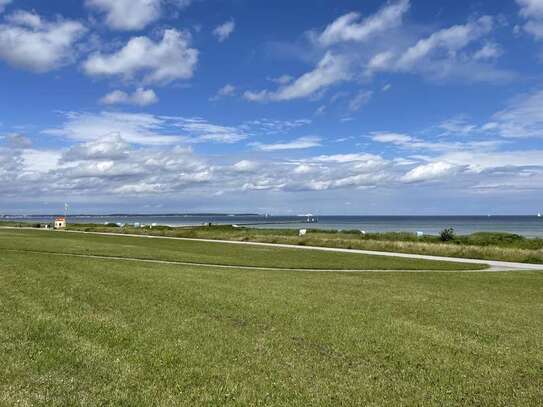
column 77, row 331
column 210, row 253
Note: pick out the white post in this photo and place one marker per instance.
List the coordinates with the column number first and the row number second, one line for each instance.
column 66, row 214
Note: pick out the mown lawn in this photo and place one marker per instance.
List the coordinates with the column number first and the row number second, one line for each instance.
column 209, row 253
column 80, row 331
column 484, row 245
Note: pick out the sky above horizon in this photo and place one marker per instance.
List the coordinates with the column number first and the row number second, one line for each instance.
column 412, row 107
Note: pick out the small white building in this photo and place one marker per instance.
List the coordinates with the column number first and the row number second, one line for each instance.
column 60, row 222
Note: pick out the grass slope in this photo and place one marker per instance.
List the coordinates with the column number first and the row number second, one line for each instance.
column 483, row 245
column 211, row 253
column 102, row 332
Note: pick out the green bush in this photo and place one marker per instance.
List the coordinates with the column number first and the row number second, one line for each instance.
column 447, row 235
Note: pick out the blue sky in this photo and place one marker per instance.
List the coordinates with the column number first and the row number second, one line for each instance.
column 351, row 107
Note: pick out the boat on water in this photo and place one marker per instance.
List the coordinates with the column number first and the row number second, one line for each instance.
column 539, row 215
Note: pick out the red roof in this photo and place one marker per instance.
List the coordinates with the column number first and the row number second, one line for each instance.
column 60, row 218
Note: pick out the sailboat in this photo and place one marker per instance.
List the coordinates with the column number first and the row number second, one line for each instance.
column 539, row 215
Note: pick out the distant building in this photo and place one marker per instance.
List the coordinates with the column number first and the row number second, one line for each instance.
column 60, row 222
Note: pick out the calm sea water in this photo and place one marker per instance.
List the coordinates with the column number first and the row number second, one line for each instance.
column 530, row 226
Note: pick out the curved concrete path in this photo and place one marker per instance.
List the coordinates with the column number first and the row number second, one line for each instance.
column 494, row 265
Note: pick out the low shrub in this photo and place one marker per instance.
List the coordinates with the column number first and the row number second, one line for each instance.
column 447, row 235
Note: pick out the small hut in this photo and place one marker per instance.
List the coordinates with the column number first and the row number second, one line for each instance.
column 60, row 222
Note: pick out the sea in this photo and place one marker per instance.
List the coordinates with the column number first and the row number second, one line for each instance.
column 529, row 226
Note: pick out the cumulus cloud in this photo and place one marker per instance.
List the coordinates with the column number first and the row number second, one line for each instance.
column 459, row 52
column 352, row 48
column 329, row 71
column 115, row 167
column 11, row 166
column 140, row 97
column 223, row 31
column 112, row 167
column 16, row 140
column 431, row 171
column 163, row 61
column 30, row 42
column 531, row 8
column 297, row 144
column 128, row 15
column 532, row 11
column 111, row 147
column 245, row 166
column 349, row 27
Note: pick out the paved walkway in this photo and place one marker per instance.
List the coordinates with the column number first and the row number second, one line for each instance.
column 494, row 265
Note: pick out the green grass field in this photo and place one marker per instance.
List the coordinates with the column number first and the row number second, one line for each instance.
column 209, row 253
column 85, row 331
column 483, row 245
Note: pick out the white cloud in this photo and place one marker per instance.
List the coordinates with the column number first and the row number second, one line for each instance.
column 532, row 10
column 223, row 31
column 282, row 80
column 479, row 161
column 16, row 140
column 450, row 39
column 140, row 97
column 112, row 166
column 431, row 171
column 203, row 131
column 29, row 42
column 305, row 169
column 135, row 128
column 359, row 100
column 273, row 127
column 145, row 129
column 127, row 15
column 330, row 70
column 299, row 143
column 488, row 51
column 393, row 138
column 535, row 28
column 522, row 118
column 459, row 52
column 109, row 148
column 346, row 27
column 164, row 61
column 226, row 90
column 245, row 166
column 458, row 125
column 40, row 161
